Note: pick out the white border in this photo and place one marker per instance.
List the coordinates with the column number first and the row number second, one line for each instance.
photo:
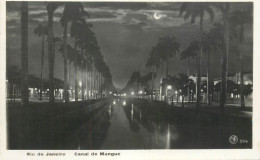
column 140, row 154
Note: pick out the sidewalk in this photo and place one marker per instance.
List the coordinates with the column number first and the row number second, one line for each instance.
column 230, row 109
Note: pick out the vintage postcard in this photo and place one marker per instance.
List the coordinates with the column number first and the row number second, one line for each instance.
column 129, row 80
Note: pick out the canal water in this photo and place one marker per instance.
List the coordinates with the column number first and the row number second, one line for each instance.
column 131, row 124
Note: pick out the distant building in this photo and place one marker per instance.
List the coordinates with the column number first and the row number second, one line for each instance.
column 248, row 78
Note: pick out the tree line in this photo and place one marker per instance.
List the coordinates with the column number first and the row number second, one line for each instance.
column 215, row 41
column 84, row 54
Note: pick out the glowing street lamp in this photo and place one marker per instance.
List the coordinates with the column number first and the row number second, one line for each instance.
column 80, row 83
column 169, row 87
column 132, row 93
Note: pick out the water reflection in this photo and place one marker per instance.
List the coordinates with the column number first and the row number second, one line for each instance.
column 156, row 132
column 110, row 111
column 124, row 103
column 92, row 134
column 140, row 115
column 132, row 113
column 168, row 138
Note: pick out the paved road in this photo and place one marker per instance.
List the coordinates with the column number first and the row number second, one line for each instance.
column 133, row 124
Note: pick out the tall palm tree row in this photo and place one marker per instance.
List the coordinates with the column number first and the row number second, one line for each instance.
column 165, row 48
column 193, row 10
column 225, row 9
column 41, row 30
column 190, row 52
column 153, row 63
column 24, row 53
column 73, row 11
column 239, row 19
column 51, row 7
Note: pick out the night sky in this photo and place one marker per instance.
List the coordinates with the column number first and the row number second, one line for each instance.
column 126, row 33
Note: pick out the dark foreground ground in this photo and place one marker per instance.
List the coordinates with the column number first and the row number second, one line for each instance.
column 124, row 124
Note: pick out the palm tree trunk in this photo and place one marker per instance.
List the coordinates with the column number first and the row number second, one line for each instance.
column 66, row 96
column 99, row 77
column 199, row 65
column 224, row 59
column 50, row 56
column 208, row 65
column 69, row 72
column 54, row 48
column 42, row 62
column 152, row 80
column 76, row 71
column 182, row 101
column 83, row 84
column 24, row 54
column 95, row 82
column 83, row 77
column 167, row 67
column 161, row 81
column 87, row 82
column 223, row 82
column 242, row 96
column 188, row 74
column 91, row 82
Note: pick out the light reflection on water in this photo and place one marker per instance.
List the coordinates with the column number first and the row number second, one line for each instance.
column 132, row 112
column 156, row 134
column 168, row 137
column 110, row 111
column 140, row 115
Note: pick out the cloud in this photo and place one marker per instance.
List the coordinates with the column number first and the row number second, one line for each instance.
column 125, row 31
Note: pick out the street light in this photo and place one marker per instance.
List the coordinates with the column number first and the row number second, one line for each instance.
column 132, row 93
column 176, row 92
column 169, row 87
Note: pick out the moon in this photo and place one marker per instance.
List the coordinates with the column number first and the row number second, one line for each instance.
column 156, row 16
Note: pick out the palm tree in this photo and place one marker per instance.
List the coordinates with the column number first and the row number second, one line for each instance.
column 212, row 41
column 181, row 82
column 224, row 8
column 41, row 31
column 239, row 19
column 76, row 32
column 193, row 10
column 51, row 7
column 207, row 43
column 55, row 40
column 72, row 11
column 70, row 58
column 190, row 52
column 24, row 53
column 84, row 39
column 153, row 62
column 167, row 47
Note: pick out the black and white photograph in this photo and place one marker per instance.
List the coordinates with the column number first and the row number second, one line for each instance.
column 121, row 75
